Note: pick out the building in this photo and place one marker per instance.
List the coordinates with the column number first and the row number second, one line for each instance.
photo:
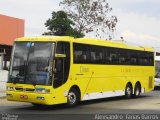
column 10, row 29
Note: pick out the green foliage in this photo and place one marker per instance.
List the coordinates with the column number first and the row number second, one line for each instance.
column 75, row 33
column 61, row 25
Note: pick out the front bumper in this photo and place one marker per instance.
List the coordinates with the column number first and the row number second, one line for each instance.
column 46, row 99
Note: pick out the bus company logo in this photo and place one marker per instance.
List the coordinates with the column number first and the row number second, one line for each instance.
column 84, row 69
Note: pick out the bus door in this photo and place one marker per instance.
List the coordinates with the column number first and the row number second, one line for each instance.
column 62, row 67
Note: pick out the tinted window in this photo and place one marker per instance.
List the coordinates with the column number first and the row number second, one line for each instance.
column 134, row 57
column 96, row 54
column 81, row 53
column 92, row 54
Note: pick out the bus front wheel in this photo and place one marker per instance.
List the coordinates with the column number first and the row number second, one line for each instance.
column 128, row 91
column 37, row 105
column 73, row 97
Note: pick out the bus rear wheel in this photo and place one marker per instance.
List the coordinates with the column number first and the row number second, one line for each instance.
column 128, row 91
column 73, row 98
column 137, row 90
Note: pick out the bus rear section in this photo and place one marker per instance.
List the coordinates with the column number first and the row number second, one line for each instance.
column 106, row 71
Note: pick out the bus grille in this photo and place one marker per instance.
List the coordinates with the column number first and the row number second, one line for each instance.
column 19, row 89
column 25, row 89
column 30, row 89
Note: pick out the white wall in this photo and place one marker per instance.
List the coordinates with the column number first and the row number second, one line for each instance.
column 0, row 63
column 3, row 79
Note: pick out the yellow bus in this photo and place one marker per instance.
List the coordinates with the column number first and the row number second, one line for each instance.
column 54, row 70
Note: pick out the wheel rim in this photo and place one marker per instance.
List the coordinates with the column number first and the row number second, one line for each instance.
column 128, row 91
column 72, row 97
column 137, row 91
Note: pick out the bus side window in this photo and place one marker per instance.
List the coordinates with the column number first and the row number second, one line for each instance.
column 80, row 52
column 114, row 56
column 107, row 58
column 133, row 58
column 96, row 55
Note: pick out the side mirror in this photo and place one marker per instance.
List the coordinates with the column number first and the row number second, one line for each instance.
column 60, row 55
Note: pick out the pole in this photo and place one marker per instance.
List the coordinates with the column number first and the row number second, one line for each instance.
column 1, row 61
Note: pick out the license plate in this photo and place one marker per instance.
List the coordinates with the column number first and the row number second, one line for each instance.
column 23, row 96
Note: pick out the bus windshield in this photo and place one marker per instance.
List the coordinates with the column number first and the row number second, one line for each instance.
column 31, row 63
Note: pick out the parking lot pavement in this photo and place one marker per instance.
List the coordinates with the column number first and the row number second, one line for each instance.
column 146, row 104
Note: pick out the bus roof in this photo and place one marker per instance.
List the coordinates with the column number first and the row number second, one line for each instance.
column 92, row 41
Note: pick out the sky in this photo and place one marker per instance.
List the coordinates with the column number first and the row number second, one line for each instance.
column 139, row 20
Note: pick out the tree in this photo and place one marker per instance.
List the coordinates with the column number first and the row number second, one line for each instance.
column 61, row 25
column 91, row 15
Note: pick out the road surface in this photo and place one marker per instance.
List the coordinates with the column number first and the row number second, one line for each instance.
column 145, row 104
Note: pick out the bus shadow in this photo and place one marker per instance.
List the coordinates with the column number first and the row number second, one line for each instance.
column 40, row 108
column 81, row 104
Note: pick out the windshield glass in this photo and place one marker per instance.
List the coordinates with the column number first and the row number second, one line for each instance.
column 32, row 63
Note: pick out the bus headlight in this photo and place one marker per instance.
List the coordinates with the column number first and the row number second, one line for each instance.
column 42, row 90
column 10, row 88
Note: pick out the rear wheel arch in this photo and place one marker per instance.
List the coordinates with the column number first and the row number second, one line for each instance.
column 76, row 88
column 129, row 83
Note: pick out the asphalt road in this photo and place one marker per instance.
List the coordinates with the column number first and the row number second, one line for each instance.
column 145, row 104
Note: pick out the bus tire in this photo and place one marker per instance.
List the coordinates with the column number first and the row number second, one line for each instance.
column 128, row 91
column 137, row 90
column 73, row 97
